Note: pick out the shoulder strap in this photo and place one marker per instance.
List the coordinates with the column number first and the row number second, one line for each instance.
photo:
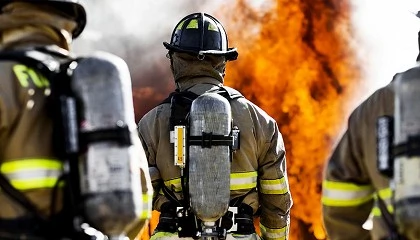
column 41, row 59
column 229, row 93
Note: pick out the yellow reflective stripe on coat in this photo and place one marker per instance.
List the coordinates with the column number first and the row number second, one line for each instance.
column 25, row 174
column 238, row 181
column 273, row 234
column 147, row 206
column 342, row 194
column 386, row 195
column 276, row 186
column 174, row 184
column 246, row 180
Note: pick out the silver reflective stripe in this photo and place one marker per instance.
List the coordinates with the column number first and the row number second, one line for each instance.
column 34, row 174
column 276, row 186
column 25, row 174
column 239, row 181
column 341, row 194
column 147, row 206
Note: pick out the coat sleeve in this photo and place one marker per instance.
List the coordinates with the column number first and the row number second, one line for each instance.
column 348, row 196
column 9, row 102
column 274, row 194
column 145, row 128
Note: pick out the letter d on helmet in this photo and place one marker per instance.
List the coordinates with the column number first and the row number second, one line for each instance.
column 72, row 9
column 201, row 34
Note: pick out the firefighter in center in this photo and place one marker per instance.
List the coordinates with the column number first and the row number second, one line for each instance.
column 198, row 54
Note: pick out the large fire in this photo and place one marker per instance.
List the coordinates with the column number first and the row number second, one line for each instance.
column 296, row 62
column 299, row 67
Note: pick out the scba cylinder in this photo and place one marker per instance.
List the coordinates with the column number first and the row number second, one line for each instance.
column 407, row 159
column 110, row 168
column 209, row 156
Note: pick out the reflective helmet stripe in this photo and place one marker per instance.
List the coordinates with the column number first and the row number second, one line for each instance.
column 342, row 194
column 193, row 24
column 26, row 174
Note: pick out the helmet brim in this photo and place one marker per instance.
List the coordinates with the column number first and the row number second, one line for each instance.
column 72, row 8
column 231, row 54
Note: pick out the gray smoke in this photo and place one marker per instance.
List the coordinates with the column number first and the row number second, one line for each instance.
column 134, row 30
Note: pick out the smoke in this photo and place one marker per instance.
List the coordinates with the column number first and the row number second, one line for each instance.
column 387, row 39
column 134, row 30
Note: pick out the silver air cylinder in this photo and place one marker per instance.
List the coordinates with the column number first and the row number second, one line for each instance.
column 110, row 169
column 407, row 164
column 209, row 165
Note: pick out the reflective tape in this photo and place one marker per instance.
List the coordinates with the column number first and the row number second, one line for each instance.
column 174, row 184
column 341, row 194
column 193, row 24
column 239, row 181
column 386, row 195
column 147, row 206
column 275, row 186
column 273, row 234
column 25, row 174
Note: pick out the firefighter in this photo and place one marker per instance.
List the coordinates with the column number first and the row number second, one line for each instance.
column 198, row 53
column 29, row 166
column 354, row 190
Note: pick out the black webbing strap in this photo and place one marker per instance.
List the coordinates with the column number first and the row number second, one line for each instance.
column 409, row 148
column 19, row 197
column 389, row 221
column 206, row 140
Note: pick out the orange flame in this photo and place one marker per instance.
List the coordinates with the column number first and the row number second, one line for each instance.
column 296, row 62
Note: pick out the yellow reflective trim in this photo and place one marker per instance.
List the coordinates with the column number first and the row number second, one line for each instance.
column 376, row 212
column 344, row 186
column 333, row 202
column 244, row 175
column 174, row 184
column 35, row 183
column 273, row 234
column 24, row 74
column 213, row 27
column 245, row 180
column 147, row 206
column 30, row 164
column 274, row 186
column 179, row 27
column 243, row 186
column 158, row 235
column 385, row 193
column 192, row 24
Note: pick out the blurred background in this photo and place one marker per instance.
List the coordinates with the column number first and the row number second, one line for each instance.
column 308, row 63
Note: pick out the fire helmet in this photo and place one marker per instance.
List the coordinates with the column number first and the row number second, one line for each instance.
column 202, row 34
column 70, row 8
